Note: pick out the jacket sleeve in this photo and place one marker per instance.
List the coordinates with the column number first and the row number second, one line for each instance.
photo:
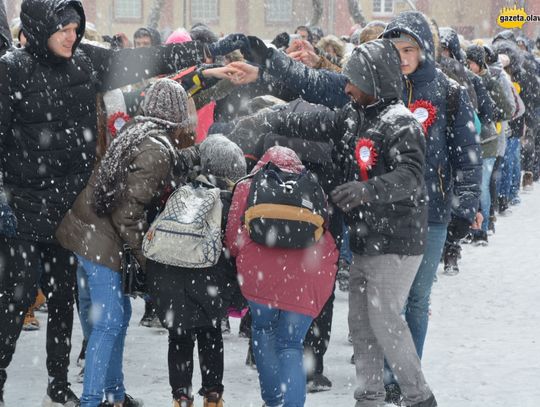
column 145, row 179
column 117, row 68
column 6, row 110
column 485, row 103
column 217, row 92
column 233, row 230
column 405, row 153
column 502, row 97
column 466, row 161
column 316, row 86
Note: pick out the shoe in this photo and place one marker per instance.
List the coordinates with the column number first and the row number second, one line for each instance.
column 430, row 402
column 503, row 205
column 150, row 319
column 342, row 276
column 225, row 326
column 527, row 182
column 59, row 394
column 30, row 321
column 480, row 238
column 451, row 256
column 213, row 399
column 250, row 358
column 128, row 402
column 82, row 354
column 318, row 383
column 393, row 394
column 183, row 402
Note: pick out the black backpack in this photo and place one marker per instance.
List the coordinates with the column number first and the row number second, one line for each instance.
column 285, row 209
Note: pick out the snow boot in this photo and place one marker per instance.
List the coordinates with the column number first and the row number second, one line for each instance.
column 128, row 402
column 430, row 402
column 451, row 256
column 480, row 238
column 59, row 394
column 317, row 383
column 150, row 319
column 393, row 394
column 527, row 181
column 343, row 275
column 213, row 399
column 183, row 401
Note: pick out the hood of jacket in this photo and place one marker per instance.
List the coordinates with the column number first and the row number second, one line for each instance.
column 378, row 61
column 513, row 52
column 450, row 41
column 505, row 35
column 39, row 20
column 414, row 23
column 283, row 157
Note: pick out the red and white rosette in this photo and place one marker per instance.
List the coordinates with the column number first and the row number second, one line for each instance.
column 116, row 121
column 366, row 156
column 424, row 112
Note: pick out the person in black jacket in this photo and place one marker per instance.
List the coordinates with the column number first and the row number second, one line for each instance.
column 191, row 302
column 381, row 154
column 47, row 151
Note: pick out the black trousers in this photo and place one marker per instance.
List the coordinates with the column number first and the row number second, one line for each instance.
column 495, row 176
column 25, row 265
column 181, row 346
column 318, row 336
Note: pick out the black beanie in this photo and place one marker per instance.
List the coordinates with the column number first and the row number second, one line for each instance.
column 67, row 16
column 477, row 54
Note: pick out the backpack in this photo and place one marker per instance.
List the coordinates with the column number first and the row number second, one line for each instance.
column 188, row 231
column 285, row 209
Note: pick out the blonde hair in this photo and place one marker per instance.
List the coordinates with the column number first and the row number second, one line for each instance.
column 335, row 43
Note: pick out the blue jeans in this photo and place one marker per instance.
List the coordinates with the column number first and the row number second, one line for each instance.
column 511, row 169
column 345, row 252
column 485, row 195
column 111, row 312
column 278, row 338
column 85, row 303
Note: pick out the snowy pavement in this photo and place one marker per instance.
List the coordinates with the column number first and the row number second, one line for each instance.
column 483, row 345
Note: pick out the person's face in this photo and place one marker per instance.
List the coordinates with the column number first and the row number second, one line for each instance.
column 357, row 96
column 143, row 42
column 410, row 57
column 22, row 40
column 329, row 49
column 473, row 66
column 61, row 42
column 303, row 34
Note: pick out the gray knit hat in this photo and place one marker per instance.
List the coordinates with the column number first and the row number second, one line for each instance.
column 166, row 101
column 222, row 158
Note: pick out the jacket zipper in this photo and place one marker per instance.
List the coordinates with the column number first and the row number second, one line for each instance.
column 441, row 183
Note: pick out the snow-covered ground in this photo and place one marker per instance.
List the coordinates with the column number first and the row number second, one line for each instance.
column 483, row 345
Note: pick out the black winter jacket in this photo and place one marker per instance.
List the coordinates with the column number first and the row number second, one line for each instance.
column 48, row 121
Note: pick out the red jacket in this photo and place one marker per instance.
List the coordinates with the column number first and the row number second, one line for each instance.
column 298, row 280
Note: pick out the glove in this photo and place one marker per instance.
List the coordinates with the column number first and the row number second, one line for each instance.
column 8, row 221
column 259, row 53
column 458, row 228
column 350, row 195
column 230, row 43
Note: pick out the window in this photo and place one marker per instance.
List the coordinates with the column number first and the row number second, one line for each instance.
column 204, row 10
column 278, row 11
column 128, row 9
column 383, row 6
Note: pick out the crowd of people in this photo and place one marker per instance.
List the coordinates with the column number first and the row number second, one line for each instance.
column 237, row 177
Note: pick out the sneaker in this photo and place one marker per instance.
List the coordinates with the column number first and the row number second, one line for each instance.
column 393, row 394
column 480, row 238
column 128, row 402
column 225, row 326
column 342, row 276
column 150, row 318
column 184, row 401
column 213, row 399
column 527, row 182
column 318, row 383
column 30, row 321
column 430, row 402
column 59, row 394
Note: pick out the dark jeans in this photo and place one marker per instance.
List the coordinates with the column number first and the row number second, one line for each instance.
column 210, row 346
column 318, row 336
column 24, row 265
column 493, row 182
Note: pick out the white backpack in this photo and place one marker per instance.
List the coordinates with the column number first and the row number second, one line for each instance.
column 188, row 231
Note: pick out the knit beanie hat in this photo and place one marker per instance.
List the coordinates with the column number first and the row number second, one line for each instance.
column 222, row 158
column 178, row 37
column 201, row 32
column 166, row 102
column 477, row 54
column 67, row 16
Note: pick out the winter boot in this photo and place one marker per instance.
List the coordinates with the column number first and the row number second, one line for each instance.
column 183, row 401
column 527, row 181
column 480, row 238
column 250, row 359
column 30, row 321
column 41, row 301
column 491, row 224
column 225, row 326
column 503, row 205
column 393, row 394
column 343, row 275
column 59, row 394
column 318, row 382
column 150, row 319
column 213, row 399
column 430, row 402
column 451, row 256
column 128, row 402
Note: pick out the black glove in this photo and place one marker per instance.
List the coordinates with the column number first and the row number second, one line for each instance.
column 281, row 41
column 259, row 53
column 458, row 228
column 8, row 221
column 350, row 195
column 230, row 43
